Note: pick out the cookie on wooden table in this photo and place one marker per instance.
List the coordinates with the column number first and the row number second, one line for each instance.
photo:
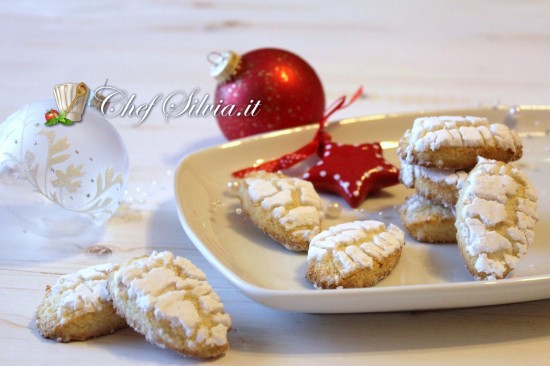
column 167, row 299
column 287, row 209
column 78, row 307
column 428, row 222
column 354, row 254
column 454, row 142
column 496, row 215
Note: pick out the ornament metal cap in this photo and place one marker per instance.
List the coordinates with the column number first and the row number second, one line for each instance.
column 224, row 65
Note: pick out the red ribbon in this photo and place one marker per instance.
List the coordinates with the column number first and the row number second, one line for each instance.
column 316, row 145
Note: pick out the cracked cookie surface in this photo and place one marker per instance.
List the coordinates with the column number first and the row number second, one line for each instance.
column 287, row 209
column 440, row 186
column 354, row 254
column 167, row 299
column 428, row 222
column 455, row 142
column 496, row 215
column 78, row 307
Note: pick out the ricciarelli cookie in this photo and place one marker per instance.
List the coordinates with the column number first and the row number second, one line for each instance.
column 167, row 299
column 353, row 254
column 496, row 215
column 287, row 209
column 454, row 142
column 78, row 307
column 428, row 222
column 440, row 186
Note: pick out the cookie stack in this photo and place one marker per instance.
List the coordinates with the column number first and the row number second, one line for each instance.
column 436, row 155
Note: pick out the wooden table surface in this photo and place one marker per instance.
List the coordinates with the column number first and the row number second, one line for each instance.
column 409, row 56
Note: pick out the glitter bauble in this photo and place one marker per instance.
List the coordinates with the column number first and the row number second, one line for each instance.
column 287, row 88
column 60, row 181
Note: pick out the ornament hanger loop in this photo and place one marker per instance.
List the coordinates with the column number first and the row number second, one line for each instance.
column 315, row 146
column 339, row 104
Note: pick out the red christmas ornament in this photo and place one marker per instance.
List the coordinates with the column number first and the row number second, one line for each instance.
column 270, row 88
column 352, row 171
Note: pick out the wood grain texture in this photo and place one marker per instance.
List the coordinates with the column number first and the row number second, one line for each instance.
column 409, row 56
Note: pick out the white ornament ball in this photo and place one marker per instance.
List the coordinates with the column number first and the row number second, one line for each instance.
column 60, row 181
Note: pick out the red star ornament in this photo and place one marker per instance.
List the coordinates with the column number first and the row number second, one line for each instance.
column 352, row 171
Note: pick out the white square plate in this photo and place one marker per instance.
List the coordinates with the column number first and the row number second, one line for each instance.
column 427, row 276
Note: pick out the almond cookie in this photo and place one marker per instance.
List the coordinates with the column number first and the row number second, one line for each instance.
column 78, row 307
column 167, row 299
column 440, row 186
column 354, row 254
column 453, row 142
column 496, row 214
column 287, row 209
column 428, row 222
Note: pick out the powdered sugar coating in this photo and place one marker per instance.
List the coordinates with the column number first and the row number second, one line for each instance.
column 82, row 292
column 78, row 306
column 407, row 174
column 418, row 205
column 496, row 216
column 174, row 290
column 292, row 201
column 453, row 178
column 431, row 133
column 355, row 245
column 468, row 135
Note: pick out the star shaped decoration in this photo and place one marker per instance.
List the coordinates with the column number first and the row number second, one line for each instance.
column 352, row 171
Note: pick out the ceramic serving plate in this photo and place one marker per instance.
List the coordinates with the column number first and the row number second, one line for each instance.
column 427, row 277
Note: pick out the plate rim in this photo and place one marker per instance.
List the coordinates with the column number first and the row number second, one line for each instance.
column 265, row 295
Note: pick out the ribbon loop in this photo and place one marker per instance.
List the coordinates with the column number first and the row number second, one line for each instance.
column 314, row 146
